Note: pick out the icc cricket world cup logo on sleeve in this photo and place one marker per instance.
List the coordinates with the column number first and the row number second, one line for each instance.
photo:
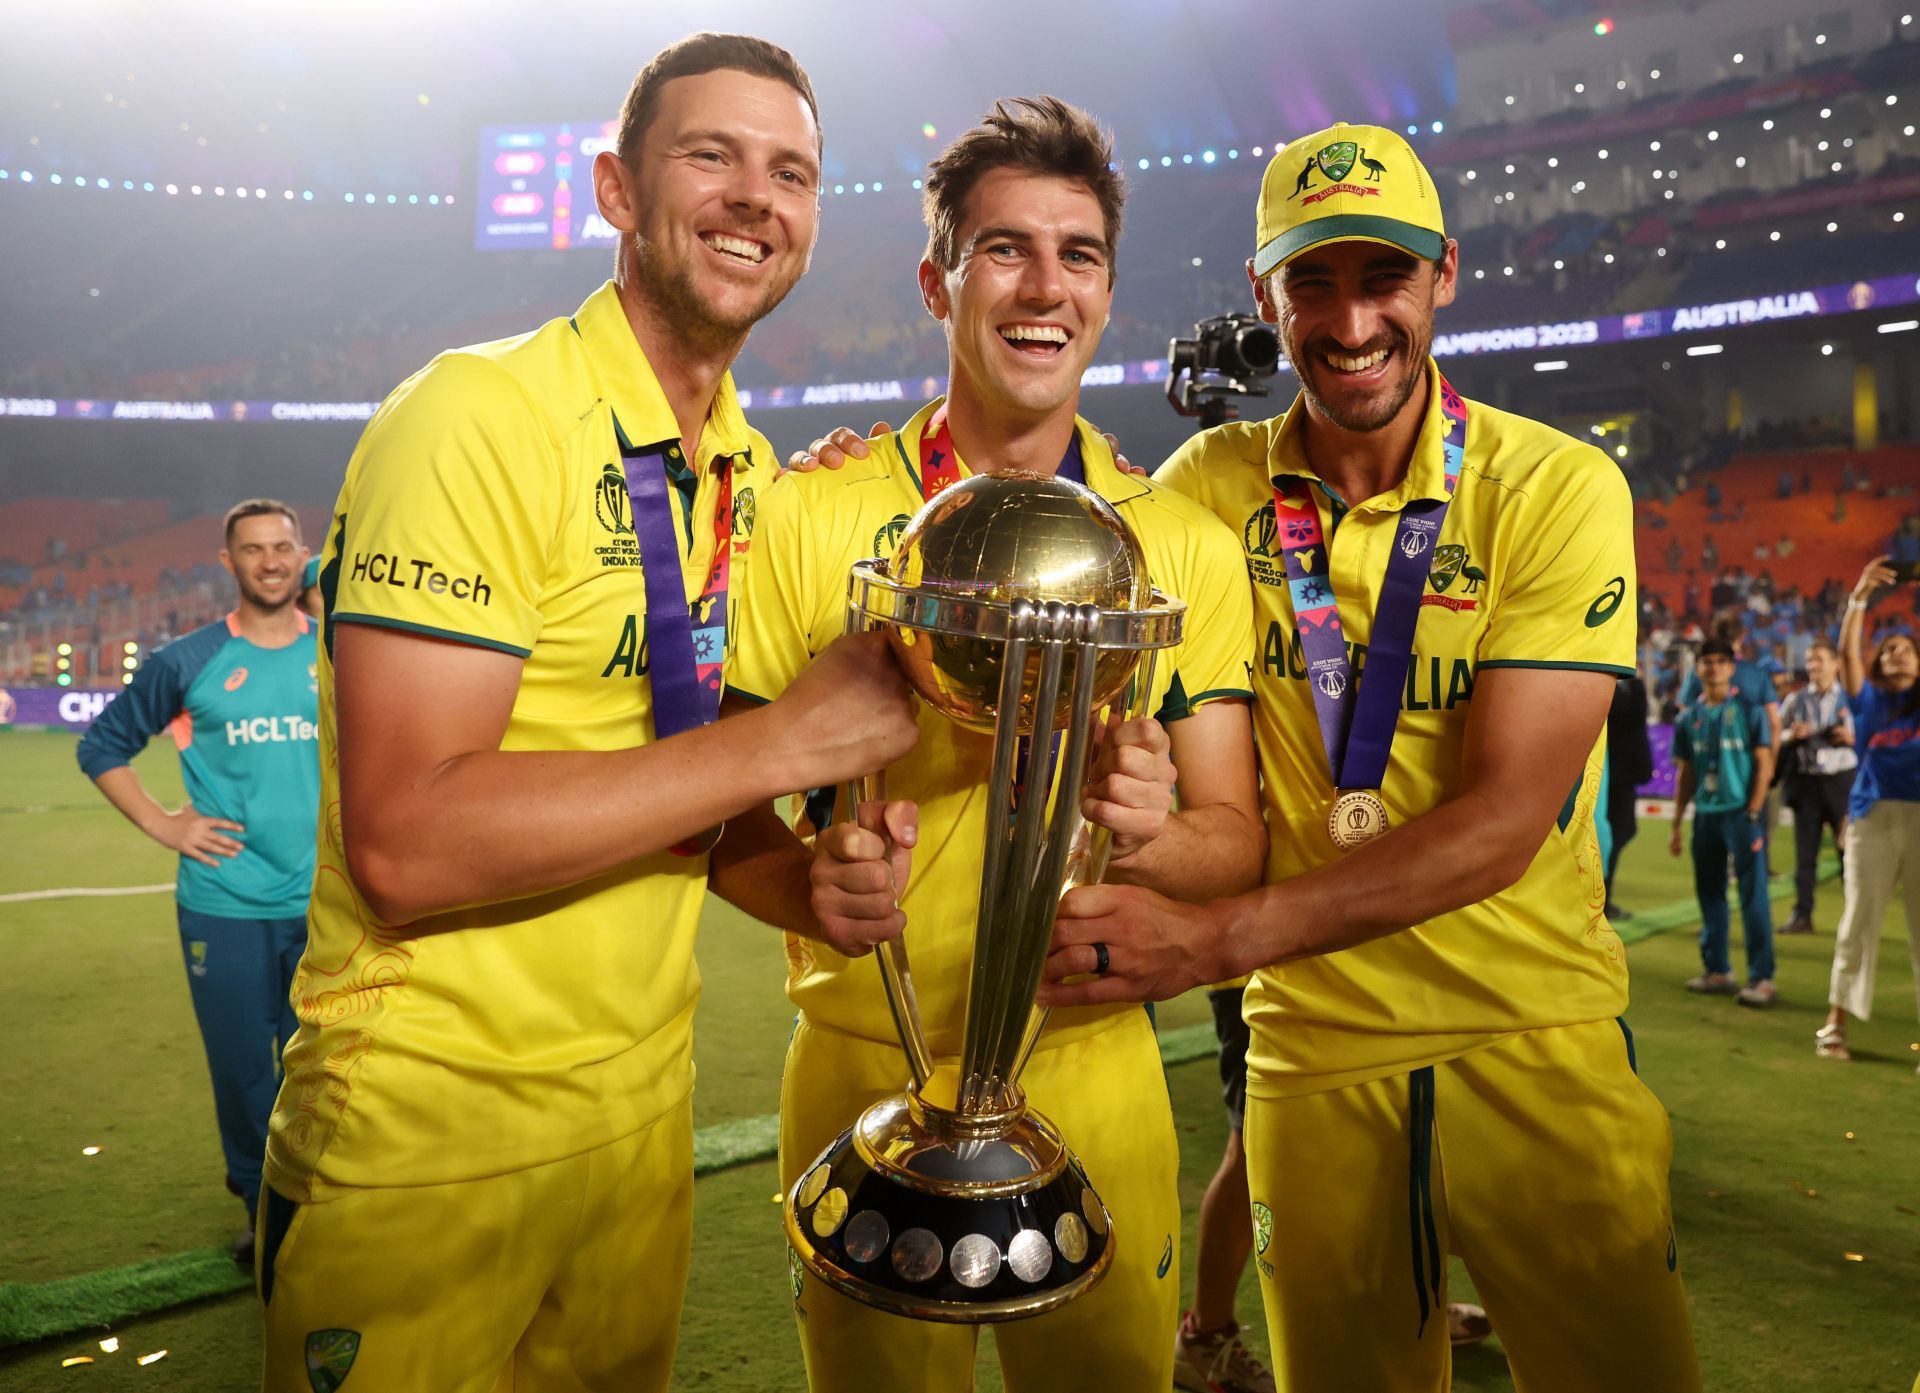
column 1019, row 606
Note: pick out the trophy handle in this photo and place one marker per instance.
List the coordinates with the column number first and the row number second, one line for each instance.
column 1092, row 848
column 896, row 975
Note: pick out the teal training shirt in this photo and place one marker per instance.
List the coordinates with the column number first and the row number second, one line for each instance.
column 1719, row 741
column 246, row 720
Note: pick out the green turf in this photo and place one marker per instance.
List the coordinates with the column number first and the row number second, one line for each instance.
column 92, row 999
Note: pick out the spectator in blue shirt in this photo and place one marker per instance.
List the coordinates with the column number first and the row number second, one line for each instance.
column 1724, row 763
column 1883, row 828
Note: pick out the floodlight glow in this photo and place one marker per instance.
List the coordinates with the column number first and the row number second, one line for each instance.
column 1603, row 27
column 1207, row 157
column 1899, row 326
column 1826, row 350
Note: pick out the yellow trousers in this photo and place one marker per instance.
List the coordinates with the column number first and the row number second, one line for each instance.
column 1541, row 1161
column 567, row 1276
column 1108, row 1095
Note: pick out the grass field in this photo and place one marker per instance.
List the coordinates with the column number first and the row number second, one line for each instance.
column 1783, row 1163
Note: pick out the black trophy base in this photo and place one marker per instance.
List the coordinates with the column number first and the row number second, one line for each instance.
column 916, row 1212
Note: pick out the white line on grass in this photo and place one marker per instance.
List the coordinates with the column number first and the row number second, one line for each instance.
column 87, row 891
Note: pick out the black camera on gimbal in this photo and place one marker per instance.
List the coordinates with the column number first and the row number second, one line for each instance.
column 1229, row 356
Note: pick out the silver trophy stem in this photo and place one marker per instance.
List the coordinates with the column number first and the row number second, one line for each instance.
column 993, row 866
column 1010, row 946
column 895, row 973
column 1091, row 846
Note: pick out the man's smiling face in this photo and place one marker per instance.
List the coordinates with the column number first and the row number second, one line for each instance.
column 1356, row 320
column 1029, row 294
column 725, row 201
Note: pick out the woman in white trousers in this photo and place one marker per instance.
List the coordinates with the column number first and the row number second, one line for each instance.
column 1883, row 827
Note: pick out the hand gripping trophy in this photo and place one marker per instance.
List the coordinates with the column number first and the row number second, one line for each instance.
column 1019, row 606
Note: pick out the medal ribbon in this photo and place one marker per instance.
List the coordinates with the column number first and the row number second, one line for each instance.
column 686, row 641
column 1357, row 717
column 940, row 464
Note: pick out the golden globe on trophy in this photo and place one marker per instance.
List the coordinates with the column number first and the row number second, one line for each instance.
column 1019, row 605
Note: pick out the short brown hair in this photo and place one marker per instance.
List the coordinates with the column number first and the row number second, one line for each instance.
column 1042, row 135
column 705, row 53
column 259, row 507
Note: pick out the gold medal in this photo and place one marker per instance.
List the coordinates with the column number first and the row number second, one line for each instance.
column 1358, row 817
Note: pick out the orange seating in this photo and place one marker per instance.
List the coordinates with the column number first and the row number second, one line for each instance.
column 1832, row 534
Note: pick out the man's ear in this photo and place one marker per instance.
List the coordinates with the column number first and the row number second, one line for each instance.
column 933, row 290
column 1261, row 299
column 613, row 191
column 1446, row 275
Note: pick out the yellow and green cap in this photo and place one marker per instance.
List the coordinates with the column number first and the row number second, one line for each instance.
column 1347, row 184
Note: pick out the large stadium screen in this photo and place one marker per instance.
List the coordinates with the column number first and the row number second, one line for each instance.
column 534, row 187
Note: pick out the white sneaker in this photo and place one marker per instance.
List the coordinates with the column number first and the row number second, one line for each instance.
column 1216, row 1362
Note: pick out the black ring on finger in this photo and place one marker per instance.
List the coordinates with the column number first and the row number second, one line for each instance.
column 1100, row 963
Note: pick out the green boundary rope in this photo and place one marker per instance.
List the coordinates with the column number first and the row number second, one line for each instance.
column 40, row 1310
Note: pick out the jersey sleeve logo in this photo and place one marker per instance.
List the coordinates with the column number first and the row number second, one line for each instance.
column 745, row 512
column 1601, row 610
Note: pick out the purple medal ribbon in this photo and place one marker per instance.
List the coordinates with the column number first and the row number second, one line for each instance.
column 1358, row 717
column 680, row 701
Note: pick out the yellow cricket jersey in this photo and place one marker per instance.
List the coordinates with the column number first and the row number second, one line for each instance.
column 486, row 504
column 812, row 529
column 1533, row 568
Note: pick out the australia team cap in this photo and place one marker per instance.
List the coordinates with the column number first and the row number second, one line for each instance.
column 1347, row 184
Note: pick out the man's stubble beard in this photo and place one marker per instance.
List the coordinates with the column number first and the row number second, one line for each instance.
column 671, row 292
column 265, row 606
column 1383, row 416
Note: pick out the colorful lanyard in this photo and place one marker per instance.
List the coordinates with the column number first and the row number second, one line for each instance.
column 1357, row 718
column 940, row 464
column 684, row 661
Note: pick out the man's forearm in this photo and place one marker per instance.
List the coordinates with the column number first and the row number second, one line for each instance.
column 1383, row 887
column 1762, row 780
column 504, row 824
column 1200, row 854
column 122, row 788
column 760, row 867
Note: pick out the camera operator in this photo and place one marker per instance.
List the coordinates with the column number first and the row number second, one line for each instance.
column 1819, row 763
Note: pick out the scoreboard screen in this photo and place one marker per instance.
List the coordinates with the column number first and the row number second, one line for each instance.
column 534, row 187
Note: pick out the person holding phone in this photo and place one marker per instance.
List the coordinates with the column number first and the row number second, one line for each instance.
column 1883, row 827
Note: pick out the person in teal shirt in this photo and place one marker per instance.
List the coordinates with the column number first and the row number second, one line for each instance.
column 1723, row 756
column 240, row 698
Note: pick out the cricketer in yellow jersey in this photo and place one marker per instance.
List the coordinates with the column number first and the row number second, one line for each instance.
column 1024, row 215
column 480, row 1164
column 1437, row 1065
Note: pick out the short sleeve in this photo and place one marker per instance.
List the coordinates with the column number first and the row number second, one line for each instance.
column 779, row 615
column 1568, row 595
column 451, row 510
column 1213, row 662
column 1183, row 471
column 1683, row 740
column 1759, row 734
